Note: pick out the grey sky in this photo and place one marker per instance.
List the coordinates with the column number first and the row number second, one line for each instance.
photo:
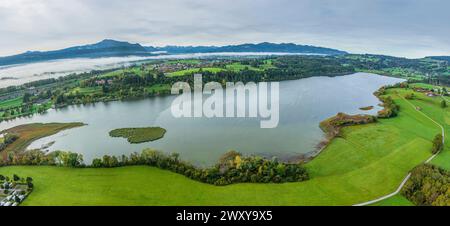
column 411, row 28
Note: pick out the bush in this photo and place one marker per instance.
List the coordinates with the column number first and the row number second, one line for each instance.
column 390, row 108
column 443, row 104
column 437, row 144
column 409, row 96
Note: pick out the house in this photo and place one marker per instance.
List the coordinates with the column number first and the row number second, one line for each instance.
column 6, row 185
column 100, row 82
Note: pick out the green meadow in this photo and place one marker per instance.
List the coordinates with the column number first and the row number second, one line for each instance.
column 11, row 103
column 366, row 162
column 194, row 70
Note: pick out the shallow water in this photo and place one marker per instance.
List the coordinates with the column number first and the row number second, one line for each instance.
column 303, row 104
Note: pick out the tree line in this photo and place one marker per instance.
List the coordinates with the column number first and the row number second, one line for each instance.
column 231, row 168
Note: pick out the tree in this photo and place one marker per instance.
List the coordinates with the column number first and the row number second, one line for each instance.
column 27, row 97
column 437, row 144
column 97, row 163
column 2, row 178
column 105, row 88
column 443, row 104
column 428, row 186
column 16, row 178
column 30, row 185
column 74, row 160
column 70, row 159
column 60, row 99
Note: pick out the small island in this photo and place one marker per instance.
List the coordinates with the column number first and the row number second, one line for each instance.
column 368, row 108
column 139, row 135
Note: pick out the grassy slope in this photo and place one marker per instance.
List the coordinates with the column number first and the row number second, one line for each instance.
column 429, row 106
column 367, row 162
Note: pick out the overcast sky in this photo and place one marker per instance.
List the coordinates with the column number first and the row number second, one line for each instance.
column 411, row 28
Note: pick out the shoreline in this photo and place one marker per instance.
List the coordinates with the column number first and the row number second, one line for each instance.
column 299, row 158
column 332, row 132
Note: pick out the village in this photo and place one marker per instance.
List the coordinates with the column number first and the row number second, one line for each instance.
column 13, row 193
column 432, row 92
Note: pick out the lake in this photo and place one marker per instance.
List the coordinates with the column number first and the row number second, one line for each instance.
column 303, row 105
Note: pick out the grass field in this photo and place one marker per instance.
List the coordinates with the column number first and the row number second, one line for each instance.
column 396, row 200
column 431, row 107
column 17, row 113
column 230, row 67
column 137, row 70
column 367, row 162
column 194, row 70
column 240, row 67
column 11, row 103
column 87, row 90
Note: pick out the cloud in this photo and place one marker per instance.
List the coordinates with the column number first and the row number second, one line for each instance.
column 412, row 28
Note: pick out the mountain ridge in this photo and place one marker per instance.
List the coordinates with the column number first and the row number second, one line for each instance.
column 113, row 48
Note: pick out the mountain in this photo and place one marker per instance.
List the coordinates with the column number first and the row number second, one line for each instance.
column 112, row 48
column 105, row 48
column 445, row 58
column 261, row 47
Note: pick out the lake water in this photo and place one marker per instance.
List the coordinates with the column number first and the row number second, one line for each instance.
column 303, row 104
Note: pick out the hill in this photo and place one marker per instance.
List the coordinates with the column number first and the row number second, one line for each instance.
column 105, row 48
